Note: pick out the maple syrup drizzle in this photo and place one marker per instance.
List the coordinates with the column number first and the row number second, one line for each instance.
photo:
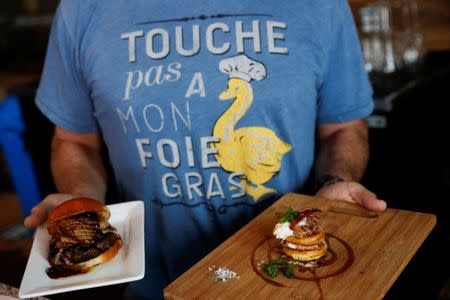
column 275, row 251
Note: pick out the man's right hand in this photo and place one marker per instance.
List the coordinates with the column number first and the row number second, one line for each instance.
column 40, row 212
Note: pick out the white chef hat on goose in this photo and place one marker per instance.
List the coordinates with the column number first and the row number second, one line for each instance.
column 241, row 66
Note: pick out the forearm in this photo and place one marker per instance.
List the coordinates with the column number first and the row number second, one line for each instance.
column 78, row 169
column 343, row 152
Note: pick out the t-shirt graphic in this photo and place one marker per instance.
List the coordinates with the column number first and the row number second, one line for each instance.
column 255, row 152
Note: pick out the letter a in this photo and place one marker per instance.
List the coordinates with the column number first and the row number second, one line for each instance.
column 196, row 86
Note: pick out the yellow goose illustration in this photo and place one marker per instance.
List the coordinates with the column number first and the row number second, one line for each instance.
column 256, row 152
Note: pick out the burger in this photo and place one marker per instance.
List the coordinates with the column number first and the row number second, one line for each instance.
column 81, row 237
column 302, row 237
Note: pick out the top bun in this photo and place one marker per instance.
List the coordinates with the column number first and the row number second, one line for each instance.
column 75, row 207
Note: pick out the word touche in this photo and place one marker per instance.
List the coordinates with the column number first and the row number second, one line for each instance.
column 157, row 41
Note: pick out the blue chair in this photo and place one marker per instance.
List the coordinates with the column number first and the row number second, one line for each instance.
column 18, row 159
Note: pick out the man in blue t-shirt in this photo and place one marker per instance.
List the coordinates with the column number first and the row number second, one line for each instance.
column 209, row 111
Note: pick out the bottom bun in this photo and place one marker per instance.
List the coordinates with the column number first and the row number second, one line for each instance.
column 102, row 258
column 306, row 255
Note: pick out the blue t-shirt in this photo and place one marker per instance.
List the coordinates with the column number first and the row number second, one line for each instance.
column 208, row 108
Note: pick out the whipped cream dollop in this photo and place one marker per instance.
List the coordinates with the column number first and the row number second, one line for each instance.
column 303, row 222
column 282, row 230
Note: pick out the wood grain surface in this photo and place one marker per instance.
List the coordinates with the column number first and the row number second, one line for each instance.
column 381, row 247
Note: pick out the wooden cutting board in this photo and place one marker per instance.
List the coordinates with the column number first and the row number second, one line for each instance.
column 370, row 253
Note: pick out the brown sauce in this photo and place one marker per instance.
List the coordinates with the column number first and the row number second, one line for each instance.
column 274, row 251
column 55, row 272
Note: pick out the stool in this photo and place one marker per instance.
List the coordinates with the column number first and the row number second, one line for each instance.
column 18, row 159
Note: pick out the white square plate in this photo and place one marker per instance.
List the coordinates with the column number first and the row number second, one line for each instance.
column 128, row 265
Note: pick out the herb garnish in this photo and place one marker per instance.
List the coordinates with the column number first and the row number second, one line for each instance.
column 289, row 215
column 289, row 272
column 274, row 267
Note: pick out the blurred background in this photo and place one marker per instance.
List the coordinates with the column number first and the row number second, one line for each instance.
column 406, row 47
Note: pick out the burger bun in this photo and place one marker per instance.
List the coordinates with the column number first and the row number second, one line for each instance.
column 75, row 207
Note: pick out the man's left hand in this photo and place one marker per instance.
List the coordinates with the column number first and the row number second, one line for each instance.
column 352, row 192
